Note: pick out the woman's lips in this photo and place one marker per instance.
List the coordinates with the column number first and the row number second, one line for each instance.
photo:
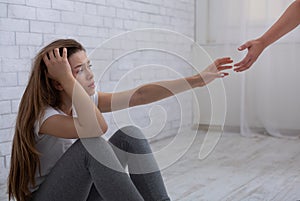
column 92, row 85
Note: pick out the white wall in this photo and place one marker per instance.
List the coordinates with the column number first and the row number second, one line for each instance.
column 27, row 25
column 285, row 71
column 220, row 34
column 232, row 88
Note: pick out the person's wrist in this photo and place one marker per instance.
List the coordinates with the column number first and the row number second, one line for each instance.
column 199, row 80
column 67, row 79
column 263, row 41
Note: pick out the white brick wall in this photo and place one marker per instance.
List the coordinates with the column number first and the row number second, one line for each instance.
column 48, row 15
column 7, row 38
column 8, row 24
column 26, row 25
column 21, row 12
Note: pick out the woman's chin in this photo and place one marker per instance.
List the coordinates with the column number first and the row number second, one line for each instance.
column 91, row 92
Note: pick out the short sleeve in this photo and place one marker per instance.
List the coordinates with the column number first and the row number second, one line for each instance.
column 48, row 113
column 95, row 98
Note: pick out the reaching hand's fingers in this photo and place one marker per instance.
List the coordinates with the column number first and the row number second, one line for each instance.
column 241, row 69
column 239, row 63
column 243, row 62
column 244, row 66
column 220, row 68
column 225, row 74
column 221, row 74
column 221, row 61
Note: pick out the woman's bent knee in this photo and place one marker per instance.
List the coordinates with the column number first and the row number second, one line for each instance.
column 131, row 139
column 131, row 131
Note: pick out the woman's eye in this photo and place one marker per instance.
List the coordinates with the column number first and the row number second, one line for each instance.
column 90, row 66
column 79, row 70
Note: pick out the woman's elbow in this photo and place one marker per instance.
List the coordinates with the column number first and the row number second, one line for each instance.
column 98, row 129
column 104, row 128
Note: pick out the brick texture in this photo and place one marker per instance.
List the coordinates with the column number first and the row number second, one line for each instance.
column 27, row 25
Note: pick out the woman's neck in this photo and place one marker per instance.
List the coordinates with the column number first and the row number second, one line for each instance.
column 66, row 104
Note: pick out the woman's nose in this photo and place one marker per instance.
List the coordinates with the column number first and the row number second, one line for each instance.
column 90, row 74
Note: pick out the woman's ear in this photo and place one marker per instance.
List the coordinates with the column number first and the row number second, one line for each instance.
column 57, row 85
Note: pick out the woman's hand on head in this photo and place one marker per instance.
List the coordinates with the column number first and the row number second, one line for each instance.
column 215, row 70
column 57, row 65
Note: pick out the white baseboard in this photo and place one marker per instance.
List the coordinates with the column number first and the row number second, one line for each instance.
column 236, row 129
column 205, row 127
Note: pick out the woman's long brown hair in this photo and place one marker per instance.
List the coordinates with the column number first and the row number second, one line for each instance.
column 38, row 95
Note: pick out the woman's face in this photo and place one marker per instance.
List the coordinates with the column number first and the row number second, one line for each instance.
column 81, row 69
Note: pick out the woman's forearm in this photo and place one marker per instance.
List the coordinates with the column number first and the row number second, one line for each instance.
column 89, row 119
column 156, row 91
column 160, row 90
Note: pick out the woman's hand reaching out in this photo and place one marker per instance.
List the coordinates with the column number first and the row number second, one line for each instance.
column 215, row 70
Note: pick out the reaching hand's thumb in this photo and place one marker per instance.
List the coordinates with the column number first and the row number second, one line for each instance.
column 244, row 46
column 222, row 74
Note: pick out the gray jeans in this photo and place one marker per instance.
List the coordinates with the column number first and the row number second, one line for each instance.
column 78, row 176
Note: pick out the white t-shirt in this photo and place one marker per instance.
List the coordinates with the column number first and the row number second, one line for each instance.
column 50, row 147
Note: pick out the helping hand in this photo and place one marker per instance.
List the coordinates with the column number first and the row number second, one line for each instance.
column 255, row 48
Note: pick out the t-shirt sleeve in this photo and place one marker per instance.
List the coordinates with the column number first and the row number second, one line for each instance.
column 48, row 113
column 95, row 98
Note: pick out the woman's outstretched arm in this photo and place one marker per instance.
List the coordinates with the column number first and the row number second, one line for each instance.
column 156, row 91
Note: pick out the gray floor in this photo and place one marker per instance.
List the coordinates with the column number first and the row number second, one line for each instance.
column 239, row 169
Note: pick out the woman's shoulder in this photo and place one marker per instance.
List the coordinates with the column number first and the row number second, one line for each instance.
column 47, row 112
column 50, row 111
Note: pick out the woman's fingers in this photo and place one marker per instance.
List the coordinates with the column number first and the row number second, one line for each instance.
column 56, row 53
column 47, row 62
column 46, row 58
column 51, row 55
column 220, row 68
column 222, row 61
column 222, row 74
column 64, row 53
